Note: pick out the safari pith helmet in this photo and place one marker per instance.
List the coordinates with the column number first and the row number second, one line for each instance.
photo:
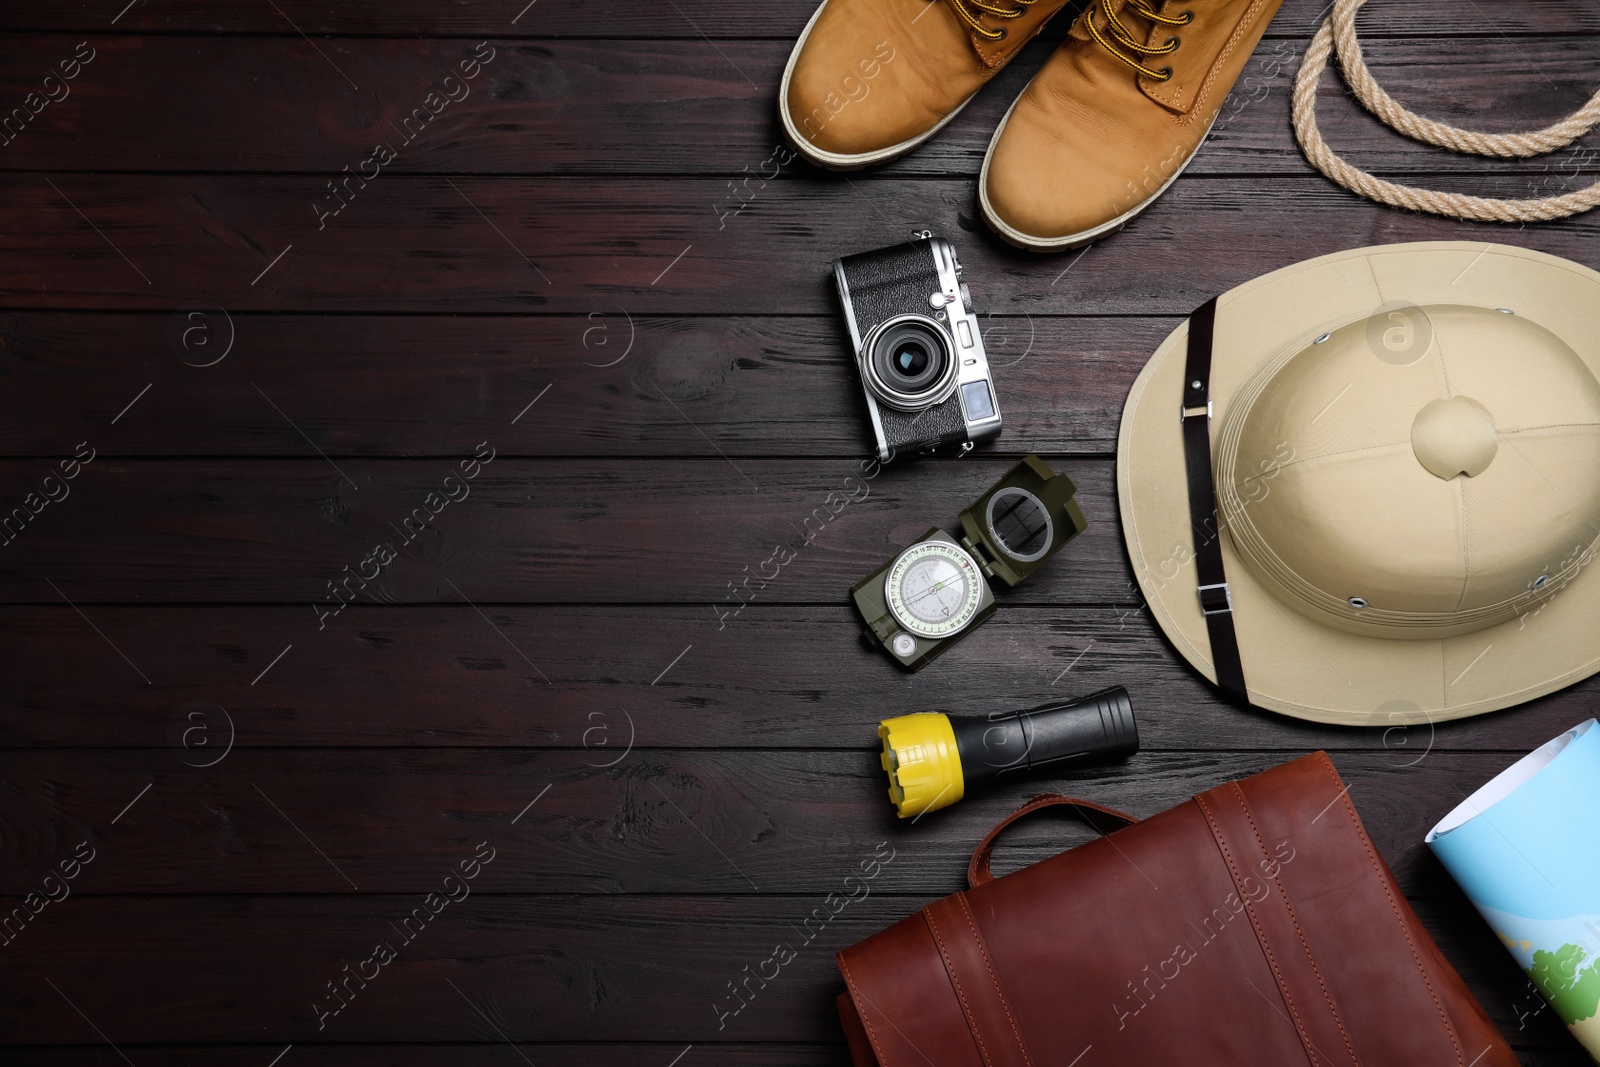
column 1403, row 446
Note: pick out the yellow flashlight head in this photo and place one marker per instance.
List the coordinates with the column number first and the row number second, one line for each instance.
column 924, row 766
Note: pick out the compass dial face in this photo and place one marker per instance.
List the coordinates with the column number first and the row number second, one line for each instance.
column 934, row 589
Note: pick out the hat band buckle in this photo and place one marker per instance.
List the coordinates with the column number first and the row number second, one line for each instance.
column 1216, row 599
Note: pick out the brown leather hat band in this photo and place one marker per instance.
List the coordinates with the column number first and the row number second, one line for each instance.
column 1216, row 598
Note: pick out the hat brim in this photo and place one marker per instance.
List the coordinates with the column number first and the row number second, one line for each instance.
column 1294, row 664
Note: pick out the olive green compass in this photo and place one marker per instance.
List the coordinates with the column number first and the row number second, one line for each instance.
column 937, row 590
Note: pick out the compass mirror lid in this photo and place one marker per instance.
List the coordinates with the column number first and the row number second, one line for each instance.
column 1023, row 519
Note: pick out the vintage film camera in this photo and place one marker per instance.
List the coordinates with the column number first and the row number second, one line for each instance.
column 918, row 348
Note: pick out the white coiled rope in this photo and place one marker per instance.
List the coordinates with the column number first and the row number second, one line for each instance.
column 1338, row 34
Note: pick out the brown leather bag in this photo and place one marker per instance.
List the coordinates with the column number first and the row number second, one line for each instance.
column 1254, row 924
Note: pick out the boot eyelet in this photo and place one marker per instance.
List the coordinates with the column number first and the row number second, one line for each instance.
column 1188, row 17
column 999, row 34
column 1172, row 44
column 1166, row 74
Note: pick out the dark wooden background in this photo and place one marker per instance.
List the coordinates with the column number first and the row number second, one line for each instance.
column 562, row 238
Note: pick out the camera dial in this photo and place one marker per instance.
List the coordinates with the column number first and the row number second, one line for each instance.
column 909, row 363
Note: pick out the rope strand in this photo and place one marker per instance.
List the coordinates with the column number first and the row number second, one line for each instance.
column 1337, row 34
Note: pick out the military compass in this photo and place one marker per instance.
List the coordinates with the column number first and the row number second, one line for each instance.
column 937, row 590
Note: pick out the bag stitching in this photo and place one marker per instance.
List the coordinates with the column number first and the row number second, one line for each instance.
column 950, row 969
column 983, row 951
column 1361, row 834
column 1299, row 932
column 1261, row 936
column 872, row 1035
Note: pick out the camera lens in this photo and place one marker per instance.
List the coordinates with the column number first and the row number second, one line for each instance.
column 911, row 360
column 910, row 357
column 910, row 365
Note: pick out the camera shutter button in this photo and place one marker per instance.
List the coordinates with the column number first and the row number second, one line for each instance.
column 938, row 300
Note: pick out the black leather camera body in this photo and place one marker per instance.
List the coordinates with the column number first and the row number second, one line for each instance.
column 918, row 348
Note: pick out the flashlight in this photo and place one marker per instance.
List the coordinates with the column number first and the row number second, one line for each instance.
column 933, row 759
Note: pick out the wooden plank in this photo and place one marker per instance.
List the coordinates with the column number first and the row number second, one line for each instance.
column 690, row 19
column 769, row 1054
column 651, row 246
column 754, row 386
column 637, row 1054
column 653, row 821
column 534, row 531
column 551, row 969
column 684, row 107
column 785, row 677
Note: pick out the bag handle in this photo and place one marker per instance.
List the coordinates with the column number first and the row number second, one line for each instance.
column 978, row 870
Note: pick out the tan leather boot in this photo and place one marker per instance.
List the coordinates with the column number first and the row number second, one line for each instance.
column 1114, row 116
column 871, row 79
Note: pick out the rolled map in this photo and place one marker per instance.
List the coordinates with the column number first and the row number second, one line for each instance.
column 1524, row 850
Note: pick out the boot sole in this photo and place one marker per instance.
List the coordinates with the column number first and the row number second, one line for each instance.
column 1013, row 236
column 835, row 160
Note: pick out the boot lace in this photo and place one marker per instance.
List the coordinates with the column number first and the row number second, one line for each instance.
column 1116, row 35
column 972, row 11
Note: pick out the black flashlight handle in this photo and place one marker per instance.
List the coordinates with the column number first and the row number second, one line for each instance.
column 1099, row 726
